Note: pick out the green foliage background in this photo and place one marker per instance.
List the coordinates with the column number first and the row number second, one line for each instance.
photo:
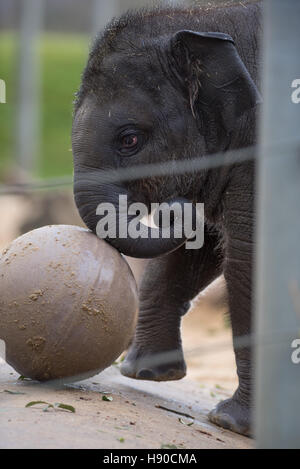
column 62, row 60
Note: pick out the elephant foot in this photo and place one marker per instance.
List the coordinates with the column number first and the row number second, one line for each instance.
column 232, row 415
column 158, row 366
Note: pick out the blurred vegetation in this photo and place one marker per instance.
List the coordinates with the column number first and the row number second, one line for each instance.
column 7, row 73
column 63, row 57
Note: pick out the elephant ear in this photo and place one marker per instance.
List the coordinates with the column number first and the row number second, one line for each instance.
column 219, row 86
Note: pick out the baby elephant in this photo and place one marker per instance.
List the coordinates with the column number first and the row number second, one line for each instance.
column 160, row 86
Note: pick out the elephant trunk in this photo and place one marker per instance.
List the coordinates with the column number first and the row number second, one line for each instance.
column 108, row 211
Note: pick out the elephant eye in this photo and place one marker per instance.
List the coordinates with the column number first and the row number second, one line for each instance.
column 130, row 142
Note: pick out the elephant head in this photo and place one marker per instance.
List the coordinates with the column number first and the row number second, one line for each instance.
column 149, row 100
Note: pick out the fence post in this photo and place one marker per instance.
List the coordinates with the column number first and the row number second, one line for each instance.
column 29, row 84
column 103, row 11
column 277, row 413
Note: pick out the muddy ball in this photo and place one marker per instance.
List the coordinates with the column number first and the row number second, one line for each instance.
column 68, row 304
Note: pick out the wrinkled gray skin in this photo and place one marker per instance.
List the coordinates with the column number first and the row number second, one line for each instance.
column 151, row 75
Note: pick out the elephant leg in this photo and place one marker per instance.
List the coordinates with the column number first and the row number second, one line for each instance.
column 235, row 413
column 168, row 286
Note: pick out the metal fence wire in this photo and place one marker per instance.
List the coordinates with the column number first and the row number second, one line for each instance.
column 174, row 167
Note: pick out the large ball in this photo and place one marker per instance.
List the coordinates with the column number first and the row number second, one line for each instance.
column 68, row 304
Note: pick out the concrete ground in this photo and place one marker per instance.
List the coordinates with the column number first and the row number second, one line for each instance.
column 141, row 414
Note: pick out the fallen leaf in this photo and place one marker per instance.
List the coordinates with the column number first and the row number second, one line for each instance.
column 67, row 407
column 188, row 424
column 32, row 403
column 107, row 398
column 204, row 433
column 23, row 378
column 58, row 405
